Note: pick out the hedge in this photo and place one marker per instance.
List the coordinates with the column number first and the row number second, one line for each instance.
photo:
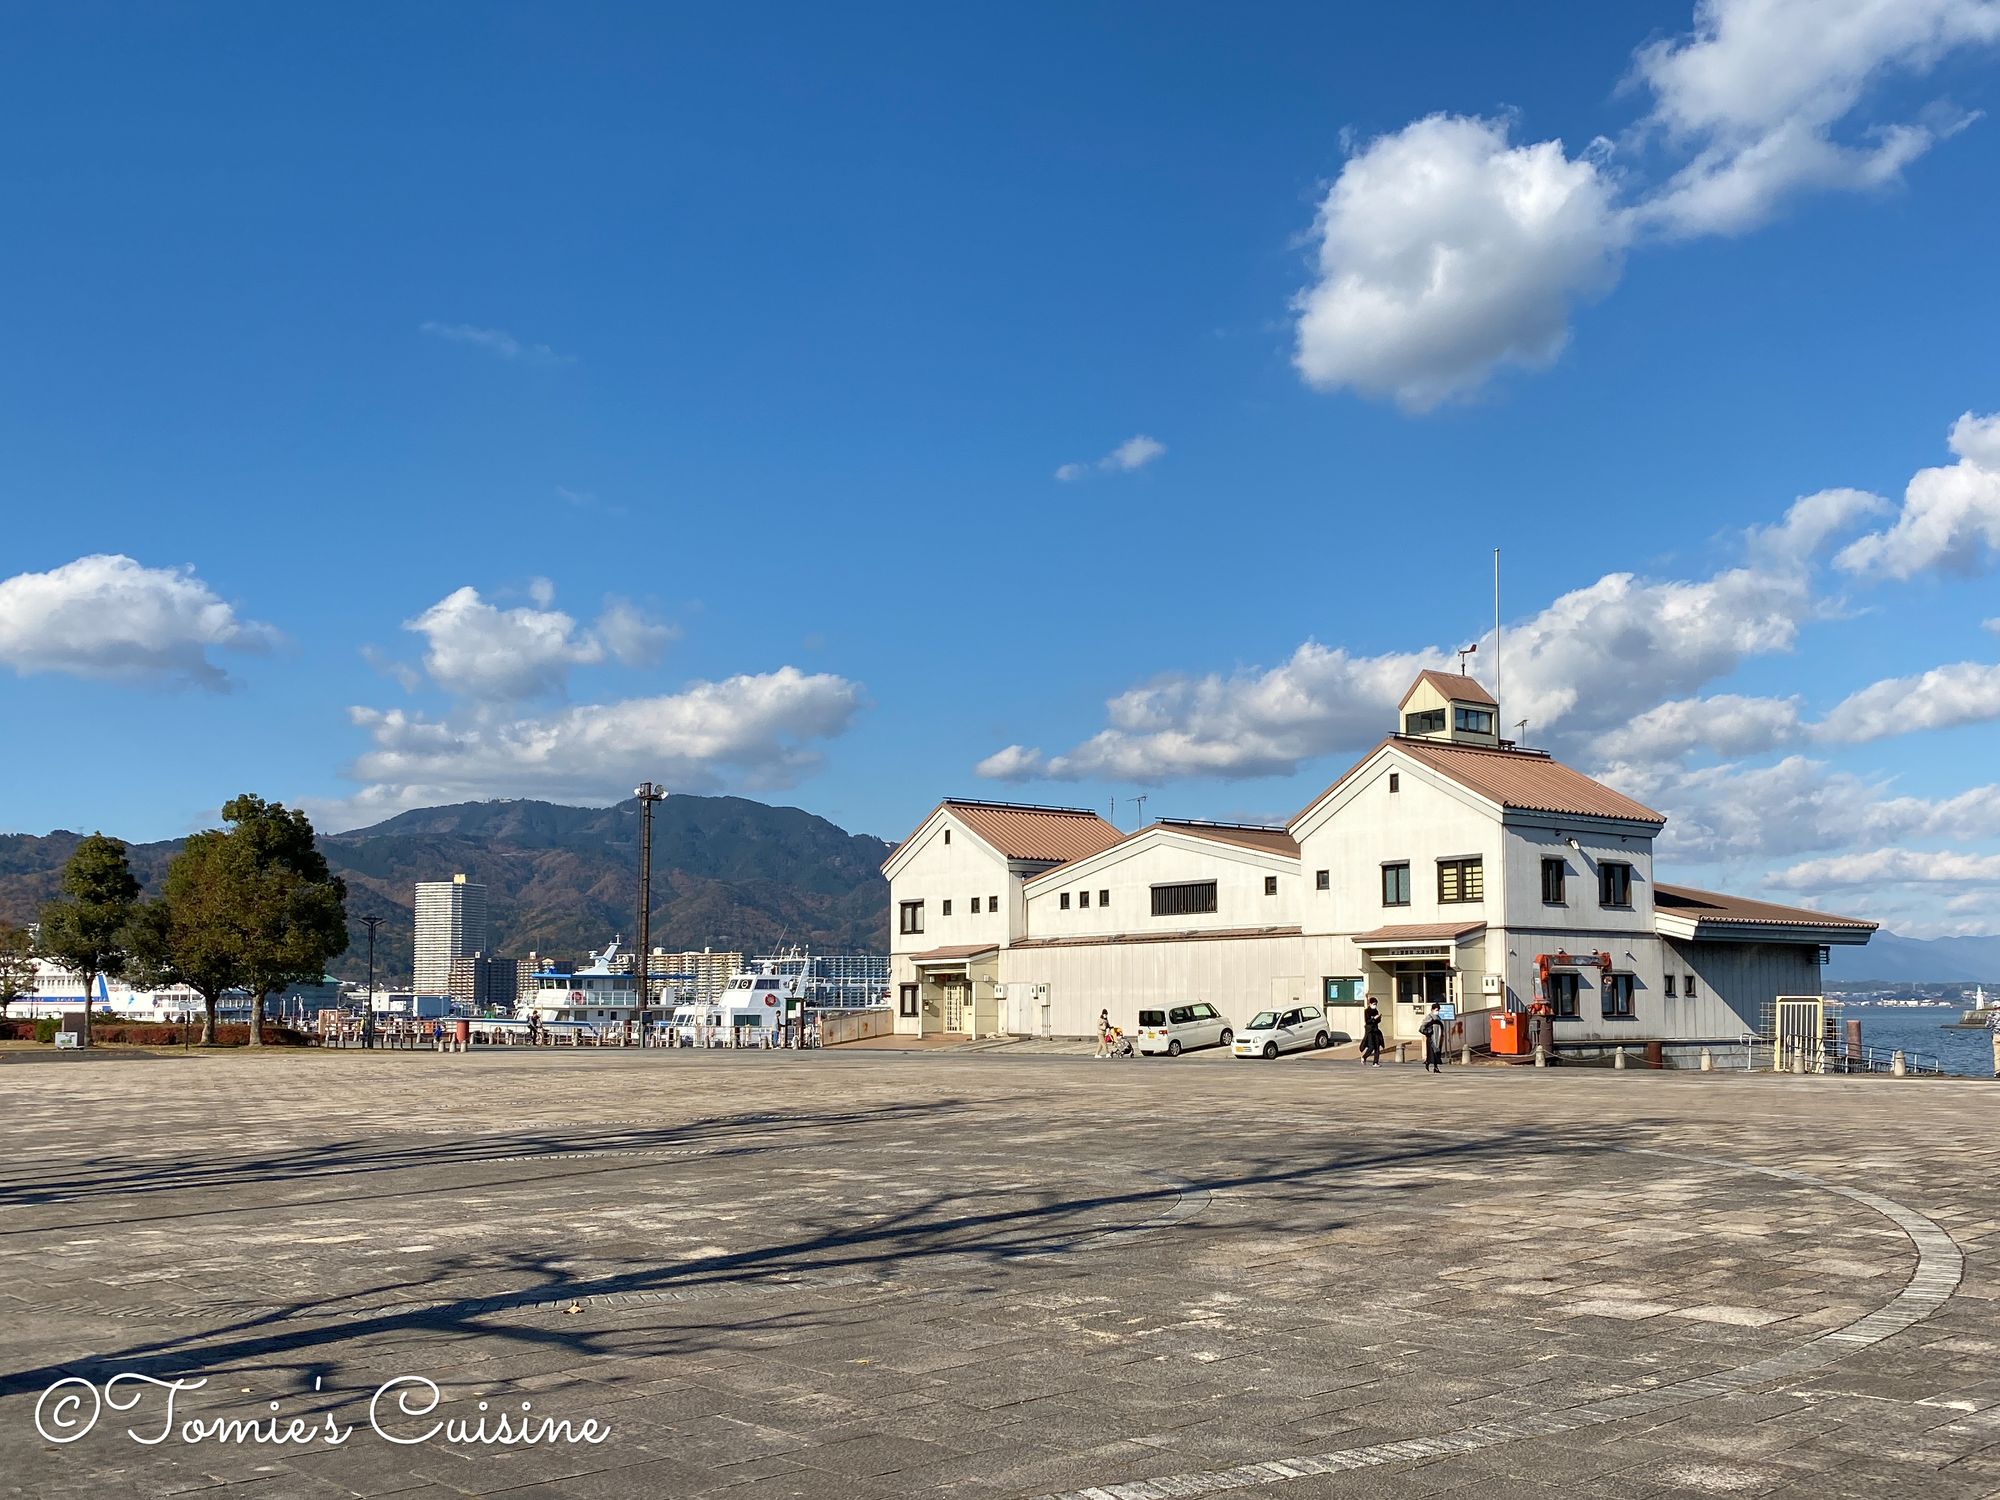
column 154, row 1033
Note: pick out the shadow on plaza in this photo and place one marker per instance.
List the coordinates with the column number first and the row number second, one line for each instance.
column 112, row 1176
column 1309, row 1191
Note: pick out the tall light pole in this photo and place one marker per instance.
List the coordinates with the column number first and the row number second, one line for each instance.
column 647, row 794
column 368, row 1015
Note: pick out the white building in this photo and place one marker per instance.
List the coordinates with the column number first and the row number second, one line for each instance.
column 59, row 992
column 1446, row 865
column 451, row 923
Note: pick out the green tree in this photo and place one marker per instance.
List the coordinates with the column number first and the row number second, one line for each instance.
column 191, row 934
column 87, row 928
column 288, row 910
column 17, row 966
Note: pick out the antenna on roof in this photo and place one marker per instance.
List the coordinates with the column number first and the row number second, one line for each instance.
column 1520, row 729
column 1463, row 652
column 1141, row 800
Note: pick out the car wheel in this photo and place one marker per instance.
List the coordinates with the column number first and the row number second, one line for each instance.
column 1320, row 1040
column 1173, row 1049
column 1228, row 1036
column 1270, row 1049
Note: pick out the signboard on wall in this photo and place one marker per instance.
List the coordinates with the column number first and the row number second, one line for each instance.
column 1343, row 991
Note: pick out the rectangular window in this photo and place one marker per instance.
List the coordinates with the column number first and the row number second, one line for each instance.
column 1189, row 899
column 1614, row 884
column 1562, row 996
column 1461, row 880
column 1395, row 781
column 1322, row 880
column 1063, row 900
column 908, row 1000
column 1430, row 721
column 944, row 908
column 1688, row 988
column 1473, row 720
column 993, row 903
column 947, row 835
column 1617, row 997
column 1270, row 885
column 1396, row 885
column 912, row 916
column 1555, row 874
column 1343, row 991
column 1670, row 986
column 1083, row 899
column 975, row 906
column 1104, row 898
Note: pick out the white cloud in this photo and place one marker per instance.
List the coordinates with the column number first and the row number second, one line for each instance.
column 1993, row 625
column 1962, row 693
column 1950, row 517
column 107, row 616
column 1891, row 867
column 756, row 731
column 1727, row 723
column 1134, row 453
column 1445, row 250
column 497, row 655
column 632, row 637
column 495, row 341
column 1811, row 524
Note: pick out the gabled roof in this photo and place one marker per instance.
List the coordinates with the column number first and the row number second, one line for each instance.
column 1712, row 908
column 1249, row 835
column 1522, row 780
column 1455, row 687
column 1018, row 830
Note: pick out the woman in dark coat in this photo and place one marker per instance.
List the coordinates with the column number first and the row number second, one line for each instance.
column 1371, row 1033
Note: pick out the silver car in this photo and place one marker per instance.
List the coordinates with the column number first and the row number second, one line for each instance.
column 1273, row 1031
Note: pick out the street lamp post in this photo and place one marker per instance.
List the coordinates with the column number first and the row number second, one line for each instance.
column 368, row 1013
column 648, row 794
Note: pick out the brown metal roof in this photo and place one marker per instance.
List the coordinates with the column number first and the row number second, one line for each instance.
column 1270, row 840
column 1528, row 780
column 1421, row 932
column 1713, row 906
column 963, row 950
column 1022, row 831
column 1453, row 686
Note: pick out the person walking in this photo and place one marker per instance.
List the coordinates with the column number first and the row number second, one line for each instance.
column 1433, row 1029
column 1103, row 1033
column 1371, row 1034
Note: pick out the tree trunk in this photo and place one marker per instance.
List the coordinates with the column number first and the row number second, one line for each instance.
column 89, row 986
column 257, row 1018
column 208, row 1020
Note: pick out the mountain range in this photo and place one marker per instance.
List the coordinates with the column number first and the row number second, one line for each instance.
column 727, row 872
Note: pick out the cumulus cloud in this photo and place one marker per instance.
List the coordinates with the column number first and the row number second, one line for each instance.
column 1134, row 453
column 758, row 731
column 1950, row 516
column 1891, row 867
column 501, row 655
column 107, row 616
column 1446, row 250
column 1964, row 692
column 495, row 341
column 632, row 636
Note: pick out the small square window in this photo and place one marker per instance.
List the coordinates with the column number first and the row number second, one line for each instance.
column 944, row 908
column 1270, row 885
column 975, row 906
column 1395, row 781
column 1063, row 900
column 1083, row 899
column 1104, row 898
column 1322, row 880
column 1688, row 988
column 1614, row 884
column 1670, row 987
column 993, row 903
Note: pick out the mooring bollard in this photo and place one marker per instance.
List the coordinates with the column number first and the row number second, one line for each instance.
column 1897, row 1067
column 1465, row 1055
column 1402, row 1052
column 1541, row 1056
column 1799, row 1060
column 1618, row 1058
column 1996, row 1054
column 1707, row 1061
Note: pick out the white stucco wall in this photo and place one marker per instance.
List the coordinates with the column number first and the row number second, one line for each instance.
column 1130, row 870
column 1238, row 976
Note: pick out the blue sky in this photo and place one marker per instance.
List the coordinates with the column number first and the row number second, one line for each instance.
column 730, row 361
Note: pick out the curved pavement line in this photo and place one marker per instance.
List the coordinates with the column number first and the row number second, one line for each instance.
column 1940, row 1266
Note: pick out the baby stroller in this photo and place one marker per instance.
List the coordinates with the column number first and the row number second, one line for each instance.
column 1121, row 1044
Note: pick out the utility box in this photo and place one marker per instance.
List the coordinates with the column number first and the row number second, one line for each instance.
column 1507, row 1034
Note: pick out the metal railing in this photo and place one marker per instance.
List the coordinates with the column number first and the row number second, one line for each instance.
column 1761, row 1054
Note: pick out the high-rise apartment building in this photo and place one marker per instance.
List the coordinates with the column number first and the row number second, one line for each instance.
column 451, row 923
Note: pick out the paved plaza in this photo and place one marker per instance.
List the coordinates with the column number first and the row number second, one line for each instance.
column 836, row 1275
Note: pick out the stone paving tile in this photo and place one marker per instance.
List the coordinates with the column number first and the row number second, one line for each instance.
column 849, row 1276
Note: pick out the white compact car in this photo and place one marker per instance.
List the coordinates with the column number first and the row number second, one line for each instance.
column 1273, row 1031
column 1175, row 1028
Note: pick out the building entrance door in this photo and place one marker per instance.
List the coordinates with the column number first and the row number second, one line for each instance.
column 957, row 1005
column 1420, row 984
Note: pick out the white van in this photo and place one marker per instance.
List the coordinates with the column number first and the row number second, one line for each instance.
column 1173, row 1029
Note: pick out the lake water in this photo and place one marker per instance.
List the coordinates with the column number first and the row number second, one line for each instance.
column 1966, row 1052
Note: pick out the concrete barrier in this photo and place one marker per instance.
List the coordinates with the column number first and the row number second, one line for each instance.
column 836, row 1027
